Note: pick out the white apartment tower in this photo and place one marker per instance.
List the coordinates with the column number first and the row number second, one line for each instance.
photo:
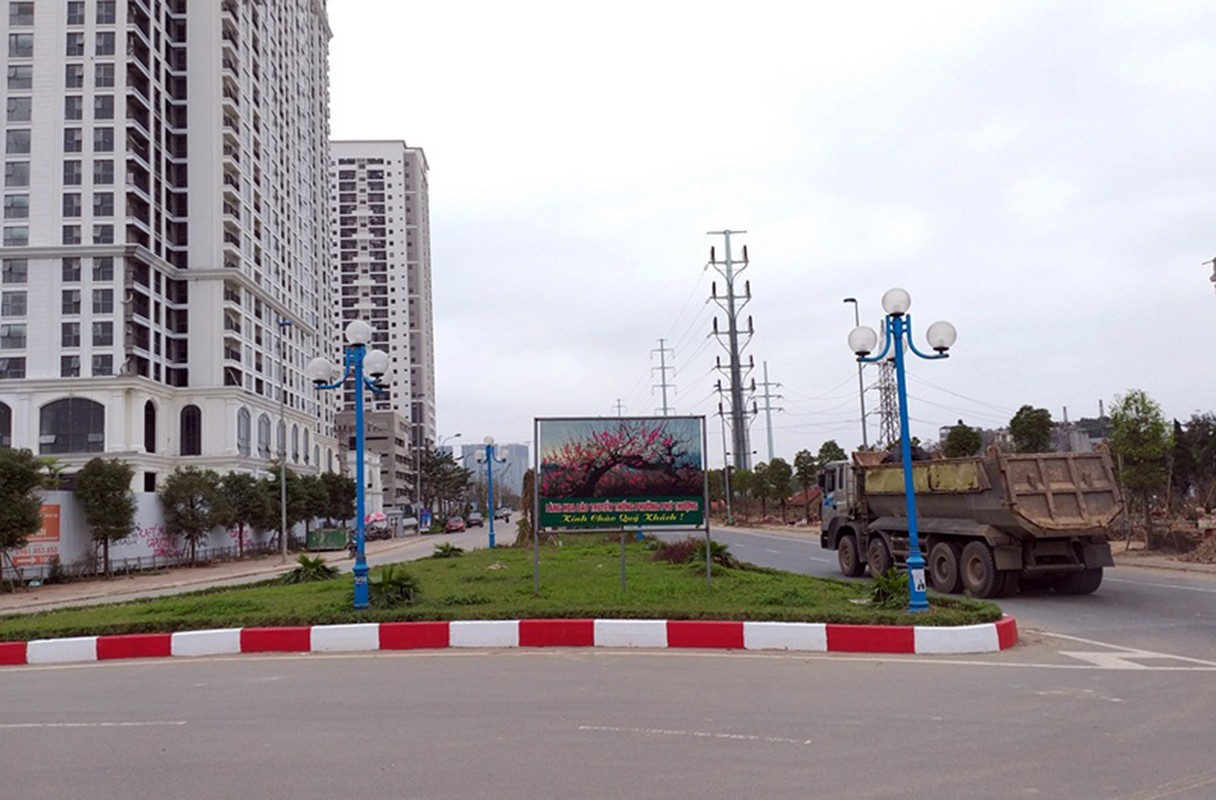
column 381, row 246
column 165, row 234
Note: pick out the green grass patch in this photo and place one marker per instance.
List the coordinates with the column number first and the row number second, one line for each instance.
column 580, row 579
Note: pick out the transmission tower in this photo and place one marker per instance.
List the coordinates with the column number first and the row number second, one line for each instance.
column 663, row 369
column 732, row 304
column 619, row 407
column 888, row 405
column 768, row 408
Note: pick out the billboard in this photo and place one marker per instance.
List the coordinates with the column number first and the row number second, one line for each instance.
column 42, row 548
column 622, row 472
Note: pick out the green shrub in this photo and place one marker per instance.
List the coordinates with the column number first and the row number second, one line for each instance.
column 718, row 552
column 310, row 569
column 677, row 551
column 890, row 590
column 391, row 586
column 446, row 550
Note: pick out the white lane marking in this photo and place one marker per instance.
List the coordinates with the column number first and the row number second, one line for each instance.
column 18, row 725
column 822, row 560
column 1119, row 658
column 738, row 737
column 777, row 552
column 1162, row 585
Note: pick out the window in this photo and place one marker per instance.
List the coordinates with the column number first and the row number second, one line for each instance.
column 12, row 368
column 71, row 270
column 12, row 304
column 12, row 337
column 73, row 140
column 103, row 204
column 73, row 107
column 20, row 77
column 69, row 366
column 103, row 106
column 103, row 364
column 242, row 431
column 106, row 14
column 103, row 302
column 21, row 45
column 103, row 333
column 16, row 206
column 15, row 270
column 19, row 109
column 73, row 173
column 192, row 431
column 295, row 444
column 103, row 172
column 103, row 75
column 70, row 333
column 17, row 141
column 6, row 425
column 264, row 436
column 103, row 234
column 103, row 140
column 150, row 427
column 72, row 425
column 103, row 268
column 73, row 76
column 16, row 235
column 105, row 44
column 72, row 234
column 75, row 45
column 71, row 301
column 72, row 206
column 17, row 173
column 75, row 12
column 21, row 14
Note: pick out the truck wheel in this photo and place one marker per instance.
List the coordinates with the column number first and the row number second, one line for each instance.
column 1083, row 582
column 1013, row 584
column 878, row 557
column 848, row 557
column 943, row 568
column 978, row 570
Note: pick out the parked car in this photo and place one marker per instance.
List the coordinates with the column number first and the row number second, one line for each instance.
column 454, row 525
column 475, row 520
column 503, row 514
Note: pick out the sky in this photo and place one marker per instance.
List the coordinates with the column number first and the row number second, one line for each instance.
column 1040, row 174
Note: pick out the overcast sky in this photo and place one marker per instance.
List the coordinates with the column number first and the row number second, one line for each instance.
column 1041, row 174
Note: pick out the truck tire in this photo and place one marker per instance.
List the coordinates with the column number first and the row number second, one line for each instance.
column 878, row 557
column 849, row 557
column 944, row 568
column 1086, row 581
column 1012, row 585
column 977, row 568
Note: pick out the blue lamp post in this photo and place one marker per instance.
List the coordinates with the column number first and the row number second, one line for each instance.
column 325, row 375
column 897, row 334
column 490, row 458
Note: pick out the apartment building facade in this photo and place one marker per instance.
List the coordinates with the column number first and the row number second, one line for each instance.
column 166, row 237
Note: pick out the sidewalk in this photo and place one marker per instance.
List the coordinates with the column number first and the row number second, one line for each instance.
column 177, row 579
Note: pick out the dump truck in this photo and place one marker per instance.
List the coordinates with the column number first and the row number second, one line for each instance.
column 984, row 523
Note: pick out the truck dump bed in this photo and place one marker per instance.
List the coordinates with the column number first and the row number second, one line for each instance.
column 1043, row 494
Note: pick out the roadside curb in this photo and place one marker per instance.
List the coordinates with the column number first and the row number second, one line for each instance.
column 606, row 633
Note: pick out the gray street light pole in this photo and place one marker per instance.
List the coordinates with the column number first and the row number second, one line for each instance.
column 283, row 325
column 861, row 383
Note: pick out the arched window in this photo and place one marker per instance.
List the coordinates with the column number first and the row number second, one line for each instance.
column 306, row 445
column 329, row 459
column 295, row 444
column 316, row 454
column 72, row 425
column 192, row 431
column 149, row 427
column 243, row 425
column 6, row 426
column 264, row 436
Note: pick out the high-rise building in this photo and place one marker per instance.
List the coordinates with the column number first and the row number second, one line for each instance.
column 165, row 234
column 382, row 252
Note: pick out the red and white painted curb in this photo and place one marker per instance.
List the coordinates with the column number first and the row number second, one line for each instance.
column 646, row 633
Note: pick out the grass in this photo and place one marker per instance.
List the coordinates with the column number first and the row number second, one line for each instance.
column 578, row 580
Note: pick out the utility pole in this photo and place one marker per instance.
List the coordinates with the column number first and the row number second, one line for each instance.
column 861, row 383
column 732, row 304
column 768, row 408
column 1213, row 278
column 730, row 511
column 619, row 407
column 663, row 369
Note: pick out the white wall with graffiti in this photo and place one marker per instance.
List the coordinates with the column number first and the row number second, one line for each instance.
column 65, row 539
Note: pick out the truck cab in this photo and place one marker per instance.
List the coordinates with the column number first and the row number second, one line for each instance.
column 838, row 487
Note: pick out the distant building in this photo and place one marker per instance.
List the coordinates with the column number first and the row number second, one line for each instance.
column 508, row 476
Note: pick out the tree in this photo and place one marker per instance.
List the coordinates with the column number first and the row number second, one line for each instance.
column 103, row 487
column 20, row 506
column 340, row 496
column 194, row 503
column 632, row 458
column 830, row 451
column 806, row 472
column 761, row 488
column 315, row 499
column 1194, row 458
column 248, row 503
column 1140, row 442
column 295, row 501
column 962, row 440
column 742, row 483
column 523, row 531
column 1030, row 430
column 443, row 480
column 780, row 477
